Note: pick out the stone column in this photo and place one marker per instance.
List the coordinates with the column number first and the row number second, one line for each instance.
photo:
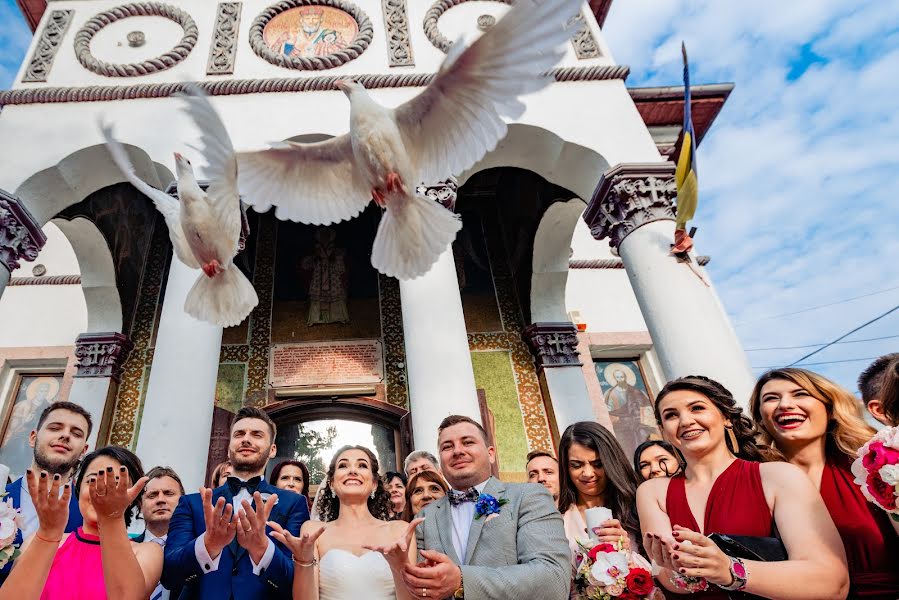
column 438, row 361
column 21, row 237
column 633, row 206
column 100, row 359
column 554, row 346
column 176, row 422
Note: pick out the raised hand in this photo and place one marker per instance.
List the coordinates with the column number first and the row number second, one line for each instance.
column 303, row 547
column 612, row 532
column 51, row 508
column 695, row 555
column 219, row 527
column 111, row 494
column 251, row 525
column 397, row 553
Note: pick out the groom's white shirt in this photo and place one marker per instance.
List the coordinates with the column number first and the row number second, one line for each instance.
column 463, row 515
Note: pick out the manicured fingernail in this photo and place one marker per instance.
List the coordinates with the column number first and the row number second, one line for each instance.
column 675, row 533
column 29, row 471
column 43, row 474
column 676, row 557
column 56, row 477
column 677, row 546
column 109, row 469
column 682, row 571
column 122, row 468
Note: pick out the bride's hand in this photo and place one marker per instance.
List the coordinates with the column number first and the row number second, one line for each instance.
column 397, row 553
column 302, row 547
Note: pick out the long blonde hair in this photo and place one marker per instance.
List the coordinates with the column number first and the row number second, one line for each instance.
column 846, row 428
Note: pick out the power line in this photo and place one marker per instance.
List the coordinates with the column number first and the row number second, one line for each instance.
column 828, row 345
column 874, row 339
column 826, row 362
column 817, row 307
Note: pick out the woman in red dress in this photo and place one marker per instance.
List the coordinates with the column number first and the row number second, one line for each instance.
column 733, row 493
column 818, row 426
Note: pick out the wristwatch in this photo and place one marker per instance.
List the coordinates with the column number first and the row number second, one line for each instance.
column 459, row 594
column 740, row 576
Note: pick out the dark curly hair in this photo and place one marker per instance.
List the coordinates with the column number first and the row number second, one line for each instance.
column 744, row 429
column 378, row 502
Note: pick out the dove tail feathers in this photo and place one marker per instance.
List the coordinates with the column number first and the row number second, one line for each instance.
column 413, row 233
column 224, row 300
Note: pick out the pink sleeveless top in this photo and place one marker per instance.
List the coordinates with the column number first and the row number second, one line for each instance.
column 77, row 571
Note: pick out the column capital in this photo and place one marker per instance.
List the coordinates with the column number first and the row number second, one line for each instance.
column 101, row 354
column 444, row 192
column 552, row 344
column 629, row 196
column 21, row 236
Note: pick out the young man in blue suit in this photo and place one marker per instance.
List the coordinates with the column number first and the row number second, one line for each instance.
column 59, row 442
column 218, row 544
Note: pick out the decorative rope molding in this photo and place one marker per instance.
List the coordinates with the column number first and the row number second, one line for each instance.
column 223, row 50
column 399, row 51
column 615, row 263
column 47, row 280
column 47, row 46
column 433, row 15
column 231, row 87
column 139, row 9
column 315, row 63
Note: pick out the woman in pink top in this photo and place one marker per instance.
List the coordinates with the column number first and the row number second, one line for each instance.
column 97, row 561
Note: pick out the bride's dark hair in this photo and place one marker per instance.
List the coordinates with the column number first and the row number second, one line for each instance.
column 378, row 503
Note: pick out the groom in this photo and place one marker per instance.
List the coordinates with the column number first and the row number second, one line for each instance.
column 519, row 551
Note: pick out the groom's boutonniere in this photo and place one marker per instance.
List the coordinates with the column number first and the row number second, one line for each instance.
column 488, row 505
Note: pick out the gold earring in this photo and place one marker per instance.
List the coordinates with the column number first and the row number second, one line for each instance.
column 733, row 439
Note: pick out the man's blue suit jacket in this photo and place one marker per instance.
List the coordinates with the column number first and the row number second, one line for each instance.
column 234, row 577
column 14, row 490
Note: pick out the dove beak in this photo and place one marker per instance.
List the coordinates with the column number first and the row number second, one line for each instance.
column 178, row 157
column 341, row 85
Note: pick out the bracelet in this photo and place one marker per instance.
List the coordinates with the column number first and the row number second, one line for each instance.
column 302, row 564
column 739, row 576
column 42, row 538
column 688, row 583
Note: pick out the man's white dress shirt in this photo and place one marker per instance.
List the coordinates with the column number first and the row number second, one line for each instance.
column 463, row 515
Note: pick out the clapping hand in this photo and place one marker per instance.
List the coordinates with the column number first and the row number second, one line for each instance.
column 611, row 532
column 251, row 525
column 303, row 547
column 111, row 494
column 219, row 527
column 52, row 508
column 397, row 553
column 695, row 555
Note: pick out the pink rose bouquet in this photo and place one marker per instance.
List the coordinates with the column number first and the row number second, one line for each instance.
column 11, row 522
column 876, row 470
column 605, row 571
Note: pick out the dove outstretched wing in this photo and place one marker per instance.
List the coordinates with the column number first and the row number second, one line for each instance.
column 457, row 119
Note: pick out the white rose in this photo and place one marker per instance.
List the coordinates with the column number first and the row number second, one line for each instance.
column 609, row 566
column 890, row 474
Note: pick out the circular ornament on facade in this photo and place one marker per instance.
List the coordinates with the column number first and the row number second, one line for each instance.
column 440, row 41
column 311, row 34
column 39, row 270
column 136, row 39
column 139, row 9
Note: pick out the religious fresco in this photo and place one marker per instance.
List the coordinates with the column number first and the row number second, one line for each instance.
column 33, row 393
column 310, row 31
column 626, row 397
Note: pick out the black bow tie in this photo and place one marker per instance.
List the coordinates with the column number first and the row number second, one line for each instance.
column 235, row 484
column 469, row 495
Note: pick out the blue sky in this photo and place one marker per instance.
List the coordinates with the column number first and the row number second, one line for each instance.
column 797, row 176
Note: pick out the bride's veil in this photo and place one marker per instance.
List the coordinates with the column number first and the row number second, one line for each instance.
column 316, row 504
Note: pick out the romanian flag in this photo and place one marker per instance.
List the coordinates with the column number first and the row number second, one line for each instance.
column 685, row 175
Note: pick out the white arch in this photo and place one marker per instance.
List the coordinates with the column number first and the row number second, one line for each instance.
column 552, row 249
column 98, row 281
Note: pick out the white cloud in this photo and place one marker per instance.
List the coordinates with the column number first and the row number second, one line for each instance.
column 796, row 176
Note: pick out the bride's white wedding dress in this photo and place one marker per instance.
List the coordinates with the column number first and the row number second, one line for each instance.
column 344, row 576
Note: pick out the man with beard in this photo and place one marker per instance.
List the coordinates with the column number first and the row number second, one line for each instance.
column 59, row 442
column 218, row 544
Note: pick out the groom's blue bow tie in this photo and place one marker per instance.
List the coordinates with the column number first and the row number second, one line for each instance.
column 469, row 495
column 235, row 484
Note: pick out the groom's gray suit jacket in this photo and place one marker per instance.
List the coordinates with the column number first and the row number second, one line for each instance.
column 519, row 554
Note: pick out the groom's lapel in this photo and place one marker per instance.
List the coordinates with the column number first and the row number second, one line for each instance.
column 445, row 528
column 494, row 487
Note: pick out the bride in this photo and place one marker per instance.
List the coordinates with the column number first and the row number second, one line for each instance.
column 353, row 551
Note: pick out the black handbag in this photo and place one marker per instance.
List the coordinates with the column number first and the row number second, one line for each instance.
column 764, row 549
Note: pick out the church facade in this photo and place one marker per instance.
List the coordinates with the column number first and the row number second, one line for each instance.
column 557, row 302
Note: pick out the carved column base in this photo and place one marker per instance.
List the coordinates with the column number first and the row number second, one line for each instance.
column 101, row 354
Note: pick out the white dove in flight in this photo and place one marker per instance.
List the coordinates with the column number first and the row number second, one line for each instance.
column 204, row 227
column 442, row 131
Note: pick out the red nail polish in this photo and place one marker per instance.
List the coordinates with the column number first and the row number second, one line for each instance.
column 676, row 546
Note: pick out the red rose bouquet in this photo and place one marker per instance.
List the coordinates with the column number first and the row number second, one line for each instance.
column 876, row 471
column 605, row 571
